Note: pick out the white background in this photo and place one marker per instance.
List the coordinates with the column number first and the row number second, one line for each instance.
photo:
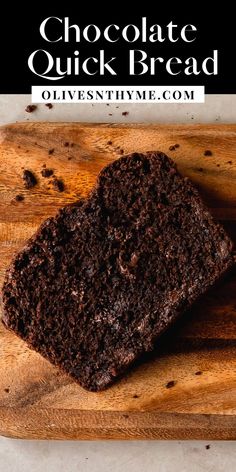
column 217, row 108
column 114, row 456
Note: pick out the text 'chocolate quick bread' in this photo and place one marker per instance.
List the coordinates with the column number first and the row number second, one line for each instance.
column 97, row 284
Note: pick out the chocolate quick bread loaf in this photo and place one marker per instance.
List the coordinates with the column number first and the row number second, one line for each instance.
column 99, row 283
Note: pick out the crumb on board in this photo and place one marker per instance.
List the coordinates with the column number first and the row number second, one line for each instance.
column 29, row 179
column 125, row 113
column 49, row 105
column 208, row 152
column 31, row 108
column 171, row 384
column 47, row 172
column 19, row 198
column 174, row 147
column 208, row 446
column 58, row 185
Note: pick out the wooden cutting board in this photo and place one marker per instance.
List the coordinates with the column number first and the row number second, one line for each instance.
column 187, row 388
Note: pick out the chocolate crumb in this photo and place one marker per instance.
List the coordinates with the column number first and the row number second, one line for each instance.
column 58, row 185
column 49, row 105
column 47, row 172
column 229, row 162
column 174, row 147
column 121, row 151
column 66, row 144
column 208, row 152
column 71, row 144
column 108, row 104
column 51, row 151
column 69, row 158
column 200, row 169
column 44, row 165
column 208, row 446
column 199, row 372
column 7, row 390
column 19, row 198
column 110, row 114
column 135, row 396
column 29, row 179
column 109, row 143
column 171, row 384
column 125, row 416
column 31, row 108
column 125, row 113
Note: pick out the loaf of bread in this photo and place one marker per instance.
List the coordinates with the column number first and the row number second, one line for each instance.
column 100, row 282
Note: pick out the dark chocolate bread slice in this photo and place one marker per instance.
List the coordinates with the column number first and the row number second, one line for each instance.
column 97, row 284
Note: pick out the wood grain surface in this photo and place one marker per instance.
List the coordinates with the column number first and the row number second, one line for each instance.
column 187, row 387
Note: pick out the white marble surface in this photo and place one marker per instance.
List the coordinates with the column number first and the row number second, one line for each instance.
column 216, row 109
column 118, row 456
